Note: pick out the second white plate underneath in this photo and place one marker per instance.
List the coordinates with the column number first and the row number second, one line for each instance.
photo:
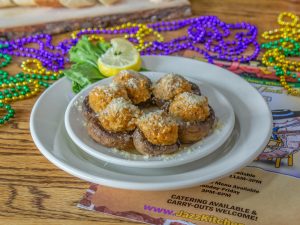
column 253, row 127
column 76, row 128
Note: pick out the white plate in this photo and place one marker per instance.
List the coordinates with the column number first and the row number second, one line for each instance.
column 253, row 126
column 76, row 127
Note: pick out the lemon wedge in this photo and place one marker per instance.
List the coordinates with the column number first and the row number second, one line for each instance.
column 122, row 55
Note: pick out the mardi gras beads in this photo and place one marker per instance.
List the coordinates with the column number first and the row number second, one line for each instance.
column 220, row 40
column 294, row 19
column 35, row 66
column 215, row 35
column 52, row 57
column 288, row 29
column 18, row 87
column 7, row 60
column 285, row 45
column 134, row 31
column 96, row 38
column 10, row 112
column 3, row 105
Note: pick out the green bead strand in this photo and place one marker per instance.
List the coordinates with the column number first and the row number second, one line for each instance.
column 10, row 113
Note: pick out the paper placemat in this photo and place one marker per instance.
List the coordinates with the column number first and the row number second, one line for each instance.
column 265, row 192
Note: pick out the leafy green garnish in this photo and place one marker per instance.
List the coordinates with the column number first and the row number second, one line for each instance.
column 86, row 52
column 85, row 70
column 104, row 46
column 76, row 87
column 83, row 74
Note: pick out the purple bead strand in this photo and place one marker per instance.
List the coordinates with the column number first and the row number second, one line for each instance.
column 206, row 35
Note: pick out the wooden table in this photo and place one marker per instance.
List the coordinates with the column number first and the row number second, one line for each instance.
column 34, row 191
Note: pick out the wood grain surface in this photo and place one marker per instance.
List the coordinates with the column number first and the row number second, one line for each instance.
column 33, row 191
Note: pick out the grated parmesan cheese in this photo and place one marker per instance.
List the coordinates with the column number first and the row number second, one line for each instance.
column 193, row 99
column 158, row 117
column 117, row 105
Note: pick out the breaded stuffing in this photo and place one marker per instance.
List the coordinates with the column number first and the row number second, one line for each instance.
column 171, row 85
column 189, row 107
column 137, row 85
column 101, row 96
column 119, row 115
column 158, row 128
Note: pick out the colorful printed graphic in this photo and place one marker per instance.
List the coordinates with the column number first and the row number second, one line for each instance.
column 283, row 150
column 285, row 140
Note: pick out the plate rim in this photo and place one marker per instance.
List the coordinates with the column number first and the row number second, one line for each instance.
column 141, row 185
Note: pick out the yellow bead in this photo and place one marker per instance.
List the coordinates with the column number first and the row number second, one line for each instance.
column 14, row 98
column 28, row 95
column 21, row 97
